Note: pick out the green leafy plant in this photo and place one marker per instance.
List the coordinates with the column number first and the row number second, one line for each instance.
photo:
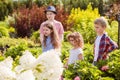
column 112, row 30
column 36, row 51
column 36, row 36
column 84, row 70
column 28, row 21
column 6, row 42
column 107, row 78
column 69, row 4
column 65, row 35
column 15, row 51
column 114, row 69
column 4, row 32
column 114, row 64
column 6, row 7
column 82, row 21
column 65, row 51
column 88, row 53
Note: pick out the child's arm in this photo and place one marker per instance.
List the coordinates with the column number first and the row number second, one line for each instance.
column 80, row 56
column 112, row 45
column 41, row 33
column 61, row 37
column 61, row 32
column 66, row 64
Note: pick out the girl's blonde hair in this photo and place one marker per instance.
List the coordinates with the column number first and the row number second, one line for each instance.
column 54, row 36
column 77, row 38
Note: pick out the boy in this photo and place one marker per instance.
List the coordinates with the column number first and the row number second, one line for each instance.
column 50, row 14
column 103, row 44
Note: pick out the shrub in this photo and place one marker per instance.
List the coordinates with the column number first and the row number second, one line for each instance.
column 4, row 24
column 107, row 78
column 36, row 51
column 69, row 4
column 36, row 36
column 28, row 20
column 15, row 51
column 7, row 28
column 114, row 69
column 12, row 42
column 82, row 21
column 84, row 70
column 112, row 30
column 1, row 57
column 114, row 64
column 65, row 51
column 6, row 43
column 88, row 53
column 4, row 32
column 10, row 21
column 65, row 35
column 6, row 7
column 47, row 2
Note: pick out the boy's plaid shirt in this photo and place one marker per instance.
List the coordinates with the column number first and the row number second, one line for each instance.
column 106, row 45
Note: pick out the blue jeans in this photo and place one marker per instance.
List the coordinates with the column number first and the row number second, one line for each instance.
column 94, row 63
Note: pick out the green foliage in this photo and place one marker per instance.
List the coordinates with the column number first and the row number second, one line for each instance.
column 6, row 7
column 65, row 35
column 13, row 42
column 1, row 57
column 15, row 51
column 69, row 4
column 84, row 70
column 114, row 64
column 6, row 29
column 82, row 21
column 113, row 30
column 6, row 43
column 101, row 63
column 65, row 51
column 107, row 78
column 35, row 36
column 88, row 53
column 36, row 51
column 4, row 24
column 111, row 1
column 114, row 69
column 4, row 32
column 47, row 2
column 10, row 20
column 114, row 56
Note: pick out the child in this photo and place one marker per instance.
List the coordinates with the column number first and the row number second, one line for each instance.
column 50, row 14
column 50, row 38
column 76, row 53
column 103, row 44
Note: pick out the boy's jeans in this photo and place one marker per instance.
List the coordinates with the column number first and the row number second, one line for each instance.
column 94, row 63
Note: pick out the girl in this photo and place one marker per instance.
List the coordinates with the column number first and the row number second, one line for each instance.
column 50, row 38
column 76, row 53
column 50, row 13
